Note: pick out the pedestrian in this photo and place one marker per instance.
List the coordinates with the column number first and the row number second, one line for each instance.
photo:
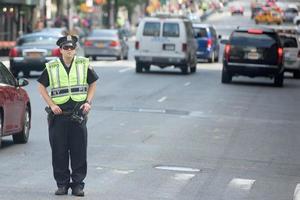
column 72, row 84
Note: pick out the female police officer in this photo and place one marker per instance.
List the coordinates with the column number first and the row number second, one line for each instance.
column 72, row 84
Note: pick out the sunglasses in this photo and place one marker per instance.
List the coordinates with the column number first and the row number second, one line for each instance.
column 68, row 47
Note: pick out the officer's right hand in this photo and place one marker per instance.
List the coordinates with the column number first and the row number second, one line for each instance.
column 56, row 109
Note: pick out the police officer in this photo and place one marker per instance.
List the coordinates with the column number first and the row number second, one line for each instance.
column 72, row 85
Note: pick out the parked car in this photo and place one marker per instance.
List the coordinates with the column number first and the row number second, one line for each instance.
column 255, row 10
column 253, row 52
column 291, row 47
column 268, row 17
column 296, row 20
column 237, row 10
column 106, row 43
column 165, row 40
column 15, row 108
column 32, row 51
column 207, row 40
column 290, row 13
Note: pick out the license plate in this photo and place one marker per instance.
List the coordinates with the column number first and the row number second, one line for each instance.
column 34, row 54
column 169, row 47
column 100, row 45
column 253, row 56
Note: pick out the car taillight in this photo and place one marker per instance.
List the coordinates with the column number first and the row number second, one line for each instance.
column 184, row 47
column 114, row 43
column 209, row 43
column 137, row 45
column 280, row 55
column 87, row 43
column 14, row 52
column 299, row 54
column 227, row 52
column 56, row 52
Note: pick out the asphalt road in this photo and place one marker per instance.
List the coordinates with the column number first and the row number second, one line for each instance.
column 166, row 136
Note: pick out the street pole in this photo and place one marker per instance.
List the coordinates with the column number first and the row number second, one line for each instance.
column 112, row 14
column 70, row 16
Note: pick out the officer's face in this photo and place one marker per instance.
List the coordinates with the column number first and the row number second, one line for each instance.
column 68, row 51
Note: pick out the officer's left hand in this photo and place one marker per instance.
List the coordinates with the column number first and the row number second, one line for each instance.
column 86, row 107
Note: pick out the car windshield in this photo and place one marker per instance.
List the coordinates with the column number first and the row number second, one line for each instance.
column 170, row 30
column 151, row 29
column 289, row 42
column 41, row 39
column 200, row 32
column 104, row 33
column 291, row 11
column 257, row 40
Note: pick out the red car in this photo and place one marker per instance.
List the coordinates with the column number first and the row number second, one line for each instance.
column 15, row 108
column 237, row 9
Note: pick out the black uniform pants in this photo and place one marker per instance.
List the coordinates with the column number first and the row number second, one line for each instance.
column 68, row 141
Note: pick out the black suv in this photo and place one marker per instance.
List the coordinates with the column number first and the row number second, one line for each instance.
column 253, row 52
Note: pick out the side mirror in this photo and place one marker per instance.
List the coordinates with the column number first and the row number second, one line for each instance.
column 22, row 82
column 224, row 41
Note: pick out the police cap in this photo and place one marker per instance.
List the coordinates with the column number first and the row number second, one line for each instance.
column 69, row 40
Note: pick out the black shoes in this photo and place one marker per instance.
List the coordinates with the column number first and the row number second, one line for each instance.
column 61, row 191
column 77, row 191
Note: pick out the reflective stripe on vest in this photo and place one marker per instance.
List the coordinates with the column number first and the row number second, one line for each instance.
column 64, row 86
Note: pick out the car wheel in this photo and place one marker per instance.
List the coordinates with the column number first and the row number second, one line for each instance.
column 278, row 80
column 26, row 73
column 23, row 136
column 1, row 129
column 185, row 69
column 194, row 69
column 94, row 57
column 296, row 74
column 146, row 67
column 138, row 67
column 226, row 77
column 212, row 58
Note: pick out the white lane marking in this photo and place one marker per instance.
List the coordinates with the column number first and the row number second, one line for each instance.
column 99, row 168
column 162, row 99
column 183, row 177
column 151, row 110
column 297, row 192
column 238, row 189
column 181, row 169
column 118, row 171
column 125, row 70
column 187, row 84
column 243, row 184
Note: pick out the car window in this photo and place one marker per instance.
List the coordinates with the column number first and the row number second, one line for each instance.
column 200, row 32
column 40, row 39
column 151, row 29
column 5, row 76
column 103, row 33
column 171, row 30
column 289, row 41
column 256, row 40
column 291, row 10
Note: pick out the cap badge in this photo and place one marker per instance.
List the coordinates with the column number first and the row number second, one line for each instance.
column 69, row 37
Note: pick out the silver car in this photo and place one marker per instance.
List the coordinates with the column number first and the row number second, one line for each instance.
column 106, row 43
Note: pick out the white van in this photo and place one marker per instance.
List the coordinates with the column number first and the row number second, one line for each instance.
column 165, row 41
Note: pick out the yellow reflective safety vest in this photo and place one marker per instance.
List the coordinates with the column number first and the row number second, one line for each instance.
column 63, row 86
